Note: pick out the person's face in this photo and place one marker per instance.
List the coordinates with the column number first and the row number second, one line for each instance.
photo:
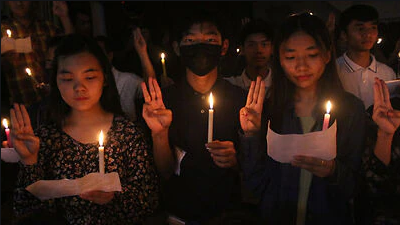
column 257, row 50
column 202, row 33
column 302, row 60
column 80, row 80
column 83, row 24
column 361, row 36
column 19, row 8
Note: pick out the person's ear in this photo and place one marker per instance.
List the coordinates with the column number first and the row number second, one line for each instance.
column 175, row 45
column 225, row 46
column 328, row 57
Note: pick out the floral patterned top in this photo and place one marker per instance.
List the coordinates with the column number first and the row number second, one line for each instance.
column 382, row 182
column 126, row 152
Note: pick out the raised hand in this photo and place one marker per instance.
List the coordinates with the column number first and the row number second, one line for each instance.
column 387, row 119
column 60, row 9
column 157, row 117
column 250, row 115
column 139, row 42
column 22, row 137
column 223, row 153
column 98, row 197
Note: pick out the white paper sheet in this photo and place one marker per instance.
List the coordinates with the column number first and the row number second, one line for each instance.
column 394, row 87
column 23, row 45
column 179, row 156
column 319, row 144
column 9, row 155
column 7, row 44
column 48, row 189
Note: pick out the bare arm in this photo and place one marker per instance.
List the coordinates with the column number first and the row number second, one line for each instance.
column 158, row 119
column 141, row 48
column 387, row 119
column 60, row 9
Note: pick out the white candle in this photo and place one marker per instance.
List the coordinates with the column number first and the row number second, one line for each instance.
column 327, row 116
column 29, row 72
column 8, row 33
column 210, row 119
column 163, row 64
column 5, row 124
column 101, row 153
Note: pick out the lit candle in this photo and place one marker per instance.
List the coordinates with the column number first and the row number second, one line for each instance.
column 29, row 72
column 5, row 124
column 379, row 40
column 238, row 50
column 8, row 33
column 327, row 116
column 210, row 119
column 163, row 64
column 101, row 153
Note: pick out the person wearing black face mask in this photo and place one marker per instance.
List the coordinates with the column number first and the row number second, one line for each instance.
column 201, row 178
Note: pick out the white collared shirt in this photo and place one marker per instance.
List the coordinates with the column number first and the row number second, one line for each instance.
column 129, row 89
column 244, row 82
column 359, row 80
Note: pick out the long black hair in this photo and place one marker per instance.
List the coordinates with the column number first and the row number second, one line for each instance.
column 71, row 45
column 282, row 89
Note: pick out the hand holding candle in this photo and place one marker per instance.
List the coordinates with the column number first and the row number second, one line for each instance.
column 327, row 116
column 210, row 119
column 5, row 124
column 101, row 153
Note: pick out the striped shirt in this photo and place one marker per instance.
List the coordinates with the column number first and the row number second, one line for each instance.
column 359, row 80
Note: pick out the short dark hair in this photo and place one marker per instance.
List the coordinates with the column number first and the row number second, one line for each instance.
column 71, row 45
column 362, row 13
column 196, row 16
column 257, row 26
column 107, row 43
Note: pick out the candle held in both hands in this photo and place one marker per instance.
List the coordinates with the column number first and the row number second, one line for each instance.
column 5, row 124
column 327, row 116
column 101, row 153
column 210, row 119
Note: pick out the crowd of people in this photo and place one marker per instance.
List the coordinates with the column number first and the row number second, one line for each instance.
column 172, row 168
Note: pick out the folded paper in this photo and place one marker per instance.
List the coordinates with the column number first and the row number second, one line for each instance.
column 48, row 189
column 319, row 144
column 9, row 155
column 20, row 45
column 394, row 87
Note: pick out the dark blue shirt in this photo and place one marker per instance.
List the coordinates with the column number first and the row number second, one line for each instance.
column 277, row 184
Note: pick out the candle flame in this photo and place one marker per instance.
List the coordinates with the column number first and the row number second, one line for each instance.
column 211, row 100
column 101, row 138
column 237, row 50
column 379, row 40
column 8, row 33
column 28, row 71
column 398, row 54
column 328, row 107
column 310, row 13
column 163, row 55
column 5, row 123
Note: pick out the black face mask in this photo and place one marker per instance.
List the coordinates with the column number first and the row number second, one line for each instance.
column 200, row 58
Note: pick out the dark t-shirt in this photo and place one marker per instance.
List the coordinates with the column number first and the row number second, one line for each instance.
column 202, row 190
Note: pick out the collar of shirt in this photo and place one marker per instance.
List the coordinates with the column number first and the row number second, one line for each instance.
column 353, row 67
column 247, row 81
